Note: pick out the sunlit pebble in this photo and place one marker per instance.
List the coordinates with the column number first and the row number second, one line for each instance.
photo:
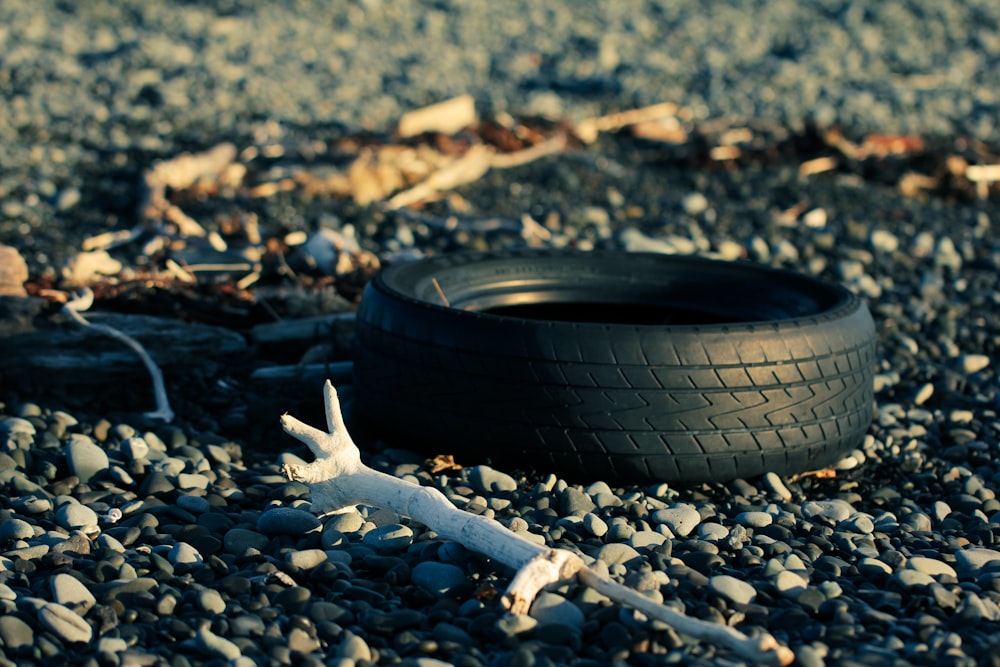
column 973, row 363
column 884, row 241
column 815, row 219
column 846, row 463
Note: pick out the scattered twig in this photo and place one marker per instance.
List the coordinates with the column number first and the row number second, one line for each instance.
column 81, row 302
column 337, row 478
column 437, row 287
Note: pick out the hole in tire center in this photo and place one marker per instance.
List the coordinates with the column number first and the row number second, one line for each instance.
column 614, row 313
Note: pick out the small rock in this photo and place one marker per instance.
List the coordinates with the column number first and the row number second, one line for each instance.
column 973, row 363
column 111, row 645
column 681, row 518
column 135, row 449
column 790, row 584
column 835, row 510
column 931, row 566
column 646, row 539
column 550, row 608
column 924, row 393
column 436, row 577
column 210, row 600
column 15, row 634
column 194, row 504
column 911, row 578
column 299, row 641
column 392, row 622
column 192, row 481
column 512, row 625
column 347, row 521
column 858, row 523
column 85, row 457
column 31, row 505
column 754, row 519
column 70, row 592
column 971, row 561
column 238, row 540
column 286, row 521
column 218, row 454
column 733, row 589
column 390, row 538
column 65, row 623
column 354, row 648
column 183, row 553
column 712, row 532
column 15, row 529
column 595, row 525
column 616, row 552
column 884, row 241
column 306, row 559
column 815, row 218
column 74, row 515
column 215, row 646
column 573, row 502
column 873, row 567
column 485, row 479
column 694, row 203
column 246, row 625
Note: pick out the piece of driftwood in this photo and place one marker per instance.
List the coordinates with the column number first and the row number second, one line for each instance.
column 589, row 129
column 302, row 329
column 337, row 478
column 447, row 117
column 13, row 272
column 75, row 308
column 83, row 356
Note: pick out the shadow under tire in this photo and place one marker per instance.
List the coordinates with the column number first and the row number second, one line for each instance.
column 615, row 366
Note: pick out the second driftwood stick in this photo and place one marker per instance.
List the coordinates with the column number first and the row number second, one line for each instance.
column 337, row 478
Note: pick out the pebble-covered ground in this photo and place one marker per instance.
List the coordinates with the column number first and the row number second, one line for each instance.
column 127, row 542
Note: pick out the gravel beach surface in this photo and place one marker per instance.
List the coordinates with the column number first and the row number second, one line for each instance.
column 127, row 542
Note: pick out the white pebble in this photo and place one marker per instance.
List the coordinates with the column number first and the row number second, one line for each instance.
column 924, row 393
column 884, row 241
column 695, row 203
column 973, row 363
column 815, row 219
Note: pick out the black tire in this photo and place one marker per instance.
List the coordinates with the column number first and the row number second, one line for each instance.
column 615, row 366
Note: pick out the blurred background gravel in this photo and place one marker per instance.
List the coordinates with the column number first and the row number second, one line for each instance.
column 92, row 92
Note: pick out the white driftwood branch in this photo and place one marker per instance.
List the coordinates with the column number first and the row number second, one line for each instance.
column 337, row 478
column 82, row 302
